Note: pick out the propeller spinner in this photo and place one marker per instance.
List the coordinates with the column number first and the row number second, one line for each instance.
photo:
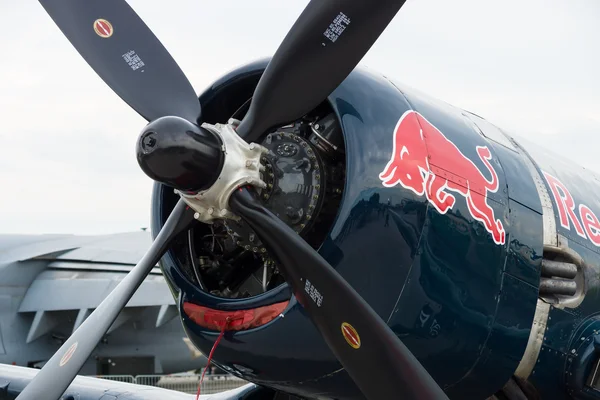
column 215, row 169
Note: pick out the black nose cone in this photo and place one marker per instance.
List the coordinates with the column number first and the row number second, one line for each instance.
column 177, row 153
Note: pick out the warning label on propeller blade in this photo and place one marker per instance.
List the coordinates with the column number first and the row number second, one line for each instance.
column 103, row 28
column 133, row 60
column 337, row 27
column 350, row 335
column 314, row 294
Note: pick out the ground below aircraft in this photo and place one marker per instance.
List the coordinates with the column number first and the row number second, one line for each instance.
column 334, row 234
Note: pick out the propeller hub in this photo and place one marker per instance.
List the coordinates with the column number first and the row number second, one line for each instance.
column 175, row 152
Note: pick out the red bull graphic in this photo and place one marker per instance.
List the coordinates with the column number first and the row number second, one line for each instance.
column 416, row 142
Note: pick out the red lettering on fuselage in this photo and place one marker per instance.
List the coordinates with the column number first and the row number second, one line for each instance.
column 565, row 204
column 590, row 224
column 586, row 224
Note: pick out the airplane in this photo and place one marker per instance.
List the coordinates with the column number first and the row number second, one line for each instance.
column 52, row 282
column 329, row 233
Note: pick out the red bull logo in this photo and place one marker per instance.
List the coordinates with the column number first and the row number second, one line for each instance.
column 416, row 143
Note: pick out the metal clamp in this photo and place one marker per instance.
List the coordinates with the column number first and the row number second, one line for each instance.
column 241, row 167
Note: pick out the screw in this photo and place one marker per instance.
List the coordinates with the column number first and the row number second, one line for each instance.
column 149, row 141
column 291, row 212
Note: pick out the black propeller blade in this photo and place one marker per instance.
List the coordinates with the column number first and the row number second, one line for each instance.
column 58, row 373
column 325, row 44
column 124, row 52
column 378, row 362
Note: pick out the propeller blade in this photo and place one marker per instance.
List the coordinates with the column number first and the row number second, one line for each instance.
column 325, row 44
column 58, row 373
column 378, row 362
column 124, row 52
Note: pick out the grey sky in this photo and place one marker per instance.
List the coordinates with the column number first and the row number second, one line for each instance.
column 68, row 163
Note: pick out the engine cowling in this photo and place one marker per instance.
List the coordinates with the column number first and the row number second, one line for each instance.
column 349, row 178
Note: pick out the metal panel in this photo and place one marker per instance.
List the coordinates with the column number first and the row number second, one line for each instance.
column 74, row 290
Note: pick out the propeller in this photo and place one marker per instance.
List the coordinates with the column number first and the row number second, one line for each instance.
column 327, row 41
column 378, row 362
column 58, row 373
column 125, row 53
column 323, row 46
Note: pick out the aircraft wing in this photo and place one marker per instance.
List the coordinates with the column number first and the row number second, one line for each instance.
column 13, row 379
column 73, row 273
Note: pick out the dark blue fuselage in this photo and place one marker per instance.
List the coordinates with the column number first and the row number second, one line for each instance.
column 462, row 303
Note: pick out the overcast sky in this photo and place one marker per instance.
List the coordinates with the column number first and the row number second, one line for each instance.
column 67, row 143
